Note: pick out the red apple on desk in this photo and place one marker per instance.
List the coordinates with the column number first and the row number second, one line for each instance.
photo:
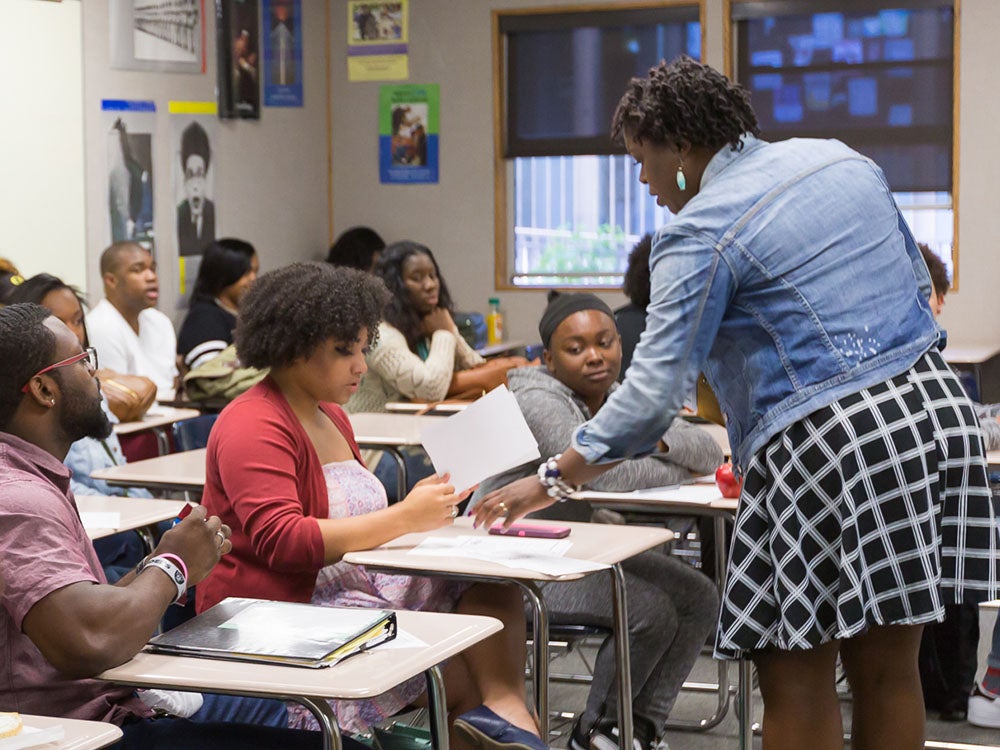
column 727, row 482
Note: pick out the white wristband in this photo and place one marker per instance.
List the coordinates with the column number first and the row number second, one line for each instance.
column 175, row 573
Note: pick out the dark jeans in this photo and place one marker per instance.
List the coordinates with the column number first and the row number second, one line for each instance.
column 225, row 722
column 418, row 466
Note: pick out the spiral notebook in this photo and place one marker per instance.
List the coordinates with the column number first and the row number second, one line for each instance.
column 256, row 630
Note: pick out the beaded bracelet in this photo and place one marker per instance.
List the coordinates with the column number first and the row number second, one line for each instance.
column 551, row 478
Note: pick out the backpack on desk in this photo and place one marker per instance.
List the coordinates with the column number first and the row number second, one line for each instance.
column 222, row 378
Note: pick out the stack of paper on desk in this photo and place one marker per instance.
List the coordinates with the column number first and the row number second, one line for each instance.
column 278, row 633
column 487, row 438
column 541, row 555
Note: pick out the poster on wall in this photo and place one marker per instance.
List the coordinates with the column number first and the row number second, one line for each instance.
column 378, row 41
column 408, row 133
column 128, row 128
column 238, row 41
column 282, row 53
column 161, row 35
column 193, row 131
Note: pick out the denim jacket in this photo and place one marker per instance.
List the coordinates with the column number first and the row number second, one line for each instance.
column 790, row 279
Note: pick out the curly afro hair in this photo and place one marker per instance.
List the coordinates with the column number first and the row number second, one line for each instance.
column 685, row 101
column 636, row 283
column 287, row 313
column 936, row 268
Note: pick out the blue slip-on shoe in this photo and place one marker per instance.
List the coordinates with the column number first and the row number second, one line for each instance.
column 482, row 728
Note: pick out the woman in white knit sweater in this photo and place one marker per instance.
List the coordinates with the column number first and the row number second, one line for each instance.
column 420, row 354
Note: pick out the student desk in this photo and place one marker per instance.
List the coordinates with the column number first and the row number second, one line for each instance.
column 389, row 432
column 363, row 676
column 700, row 499
column 504, row 348
column 158, row 418
column 592, row 542
column 993, row 459
column 429, row 408
column 79, row 734
column 183, row 471
column 136, row 514
column 975, row 359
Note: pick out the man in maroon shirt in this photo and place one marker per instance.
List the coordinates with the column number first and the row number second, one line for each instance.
column 60, row 622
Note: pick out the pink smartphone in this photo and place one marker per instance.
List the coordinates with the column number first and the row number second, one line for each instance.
column 531, row 529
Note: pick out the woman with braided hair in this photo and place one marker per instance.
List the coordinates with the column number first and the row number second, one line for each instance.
column 789, row 277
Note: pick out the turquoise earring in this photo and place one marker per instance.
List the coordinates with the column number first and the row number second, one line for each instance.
column 682, row 182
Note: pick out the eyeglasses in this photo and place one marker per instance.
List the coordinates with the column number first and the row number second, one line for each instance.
column 89, row 354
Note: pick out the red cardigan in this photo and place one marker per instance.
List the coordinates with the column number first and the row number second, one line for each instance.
column 264, row 479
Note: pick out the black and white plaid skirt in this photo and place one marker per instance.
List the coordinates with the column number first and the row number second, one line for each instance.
column 874, row 510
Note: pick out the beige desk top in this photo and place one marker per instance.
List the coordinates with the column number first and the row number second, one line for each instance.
column 388, row 429
column 362, row 676
column 503, row 348
column 136, row 512
column 993, row 459
column 438, row 409
column 970, row 355
column 691, row 497
column 594, row 542
column 79, row 734
column 157, row 416
column 179, row 471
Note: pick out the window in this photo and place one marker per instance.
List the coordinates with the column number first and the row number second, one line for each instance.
column 575, row 208
column 879, row 78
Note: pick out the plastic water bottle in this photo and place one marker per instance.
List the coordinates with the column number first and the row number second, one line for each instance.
column 494, row 323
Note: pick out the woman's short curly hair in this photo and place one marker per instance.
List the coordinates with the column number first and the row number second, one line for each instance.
column 684, row 101
column 287, row 313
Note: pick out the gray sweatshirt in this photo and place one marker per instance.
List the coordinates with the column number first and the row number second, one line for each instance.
column 553, row 412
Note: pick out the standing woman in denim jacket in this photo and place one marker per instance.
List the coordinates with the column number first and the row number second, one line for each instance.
column 789, row 277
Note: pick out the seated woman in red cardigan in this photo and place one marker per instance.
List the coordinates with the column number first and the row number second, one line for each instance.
column 284, row 472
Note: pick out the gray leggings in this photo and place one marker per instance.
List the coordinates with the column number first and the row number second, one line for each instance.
column 671, row 610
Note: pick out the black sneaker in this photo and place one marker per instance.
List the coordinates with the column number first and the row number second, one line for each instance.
column 604, row 736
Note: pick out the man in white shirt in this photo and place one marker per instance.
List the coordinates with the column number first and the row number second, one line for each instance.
column 129, row 335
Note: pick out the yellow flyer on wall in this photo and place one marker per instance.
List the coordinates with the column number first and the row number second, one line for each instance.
column 378, row 41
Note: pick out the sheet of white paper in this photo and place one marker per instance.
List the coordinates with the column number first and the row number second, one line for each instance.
column 402, row 640
column 690, row 492
column 488, row 437
column 32, row 737
column 541, row 555
column 317, row 623
column 101, row 519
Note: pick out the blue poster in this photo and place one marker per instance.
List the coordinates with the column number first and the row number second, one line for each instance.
column 282, row 53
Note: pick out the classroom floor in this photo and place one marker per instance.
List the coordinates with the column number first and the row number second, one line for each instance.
column 724, row 735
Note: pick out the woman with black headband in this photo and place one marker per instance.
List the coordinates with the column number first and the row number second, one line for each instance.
column 671, row 606
column 789, row 276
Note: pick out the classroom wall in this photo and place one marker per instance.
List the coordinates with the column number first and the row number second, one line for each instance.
column 450, row 44
column 271, row 177
column 41, row 151
column 972, row 314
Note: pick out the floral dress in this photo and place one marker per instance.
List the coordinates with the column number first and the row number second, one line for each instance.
column 354, row 491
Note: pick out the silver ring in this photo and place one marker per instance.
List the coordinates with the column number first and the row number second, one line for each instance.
column 222, row 537
column 454, row 511
column 503, row 507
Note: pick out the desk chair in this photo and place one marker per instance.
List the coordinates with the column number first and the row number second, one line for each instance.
column 193, row 433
